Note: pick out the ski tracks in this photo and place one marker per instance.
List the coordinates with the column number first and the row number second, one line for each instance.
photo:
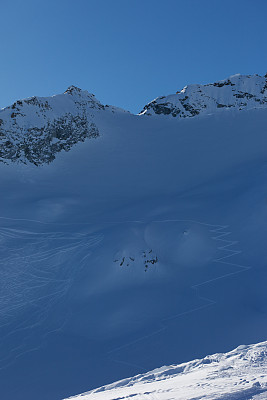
column 220, row 234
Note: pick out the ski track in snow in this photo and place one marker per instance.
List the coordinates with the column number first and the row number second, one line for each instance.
column 22, row 280
column 34, row 278
column 220, row 231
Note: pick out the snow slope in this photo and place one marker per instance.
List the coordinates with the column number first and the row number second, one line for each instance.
column 141, row 248
column 237, row 375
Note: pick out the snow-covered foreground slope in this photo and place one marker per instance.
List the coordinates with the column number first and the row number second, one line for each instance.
column 144, row 247
column 238, row 375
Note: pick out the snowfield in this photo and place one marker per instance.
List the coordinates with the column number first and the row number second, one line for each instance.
column 137, row 242
column 238, row 375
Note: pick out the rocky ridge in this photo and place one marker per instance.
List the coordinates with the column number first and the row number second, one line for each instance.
column 237, row 92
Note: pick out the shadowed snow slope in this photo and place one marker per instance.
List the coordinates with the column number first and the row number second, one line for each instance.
column 143, row 247
column 238, row 375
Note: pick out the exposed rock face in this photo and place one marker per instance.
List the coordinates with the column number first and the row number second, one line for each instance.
column 237, row 92
column 36, row 129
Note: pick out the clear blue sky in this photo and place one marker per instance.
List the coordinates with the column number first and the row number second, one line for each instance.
column 127, row 52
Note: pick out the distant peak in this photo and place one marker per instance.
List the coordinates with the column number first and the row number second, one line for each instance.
column 73, row 89
column 237, row 92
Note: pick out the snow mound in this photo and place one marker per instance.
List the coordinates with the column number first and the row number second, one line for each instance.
column 237, row 375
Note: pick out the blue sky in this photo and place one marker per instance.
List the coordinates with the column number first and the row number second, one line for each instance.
column 127, row 52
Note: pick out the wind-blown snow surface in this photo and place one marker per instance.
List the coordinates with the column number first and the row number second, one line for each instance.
column 144, row 247
column 238, row 375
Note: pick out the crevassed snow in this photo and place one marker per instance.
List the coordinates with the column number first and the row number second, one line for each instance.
column 237, row 375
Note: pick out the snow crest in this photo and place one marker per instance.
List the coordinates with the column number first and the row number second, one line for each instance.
column 237, row 375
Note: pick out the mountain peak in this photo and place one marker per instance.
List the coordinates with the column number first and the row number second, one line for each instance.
column 34, row 130
column 75, row 90
column 236, row 92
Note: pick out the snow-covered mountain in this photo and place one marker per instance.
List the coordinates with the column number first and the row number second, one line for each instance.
column 238, row 375
column 141, row 247
column 34, row 130
column 237, row 92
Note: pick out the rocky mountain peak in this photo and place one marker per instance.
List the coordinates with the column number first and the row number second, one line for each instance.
column 236, row 92
column 34, row 130
column 76, row 92
column 73, row 89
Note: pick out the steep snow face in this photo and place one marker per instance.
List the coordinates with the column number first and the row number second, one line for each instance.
column 35, row 129
column 237, row 375
column 237, row 92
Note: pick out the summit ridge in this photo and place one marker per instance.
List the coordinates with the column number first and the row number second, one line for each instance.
column 238, row 92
